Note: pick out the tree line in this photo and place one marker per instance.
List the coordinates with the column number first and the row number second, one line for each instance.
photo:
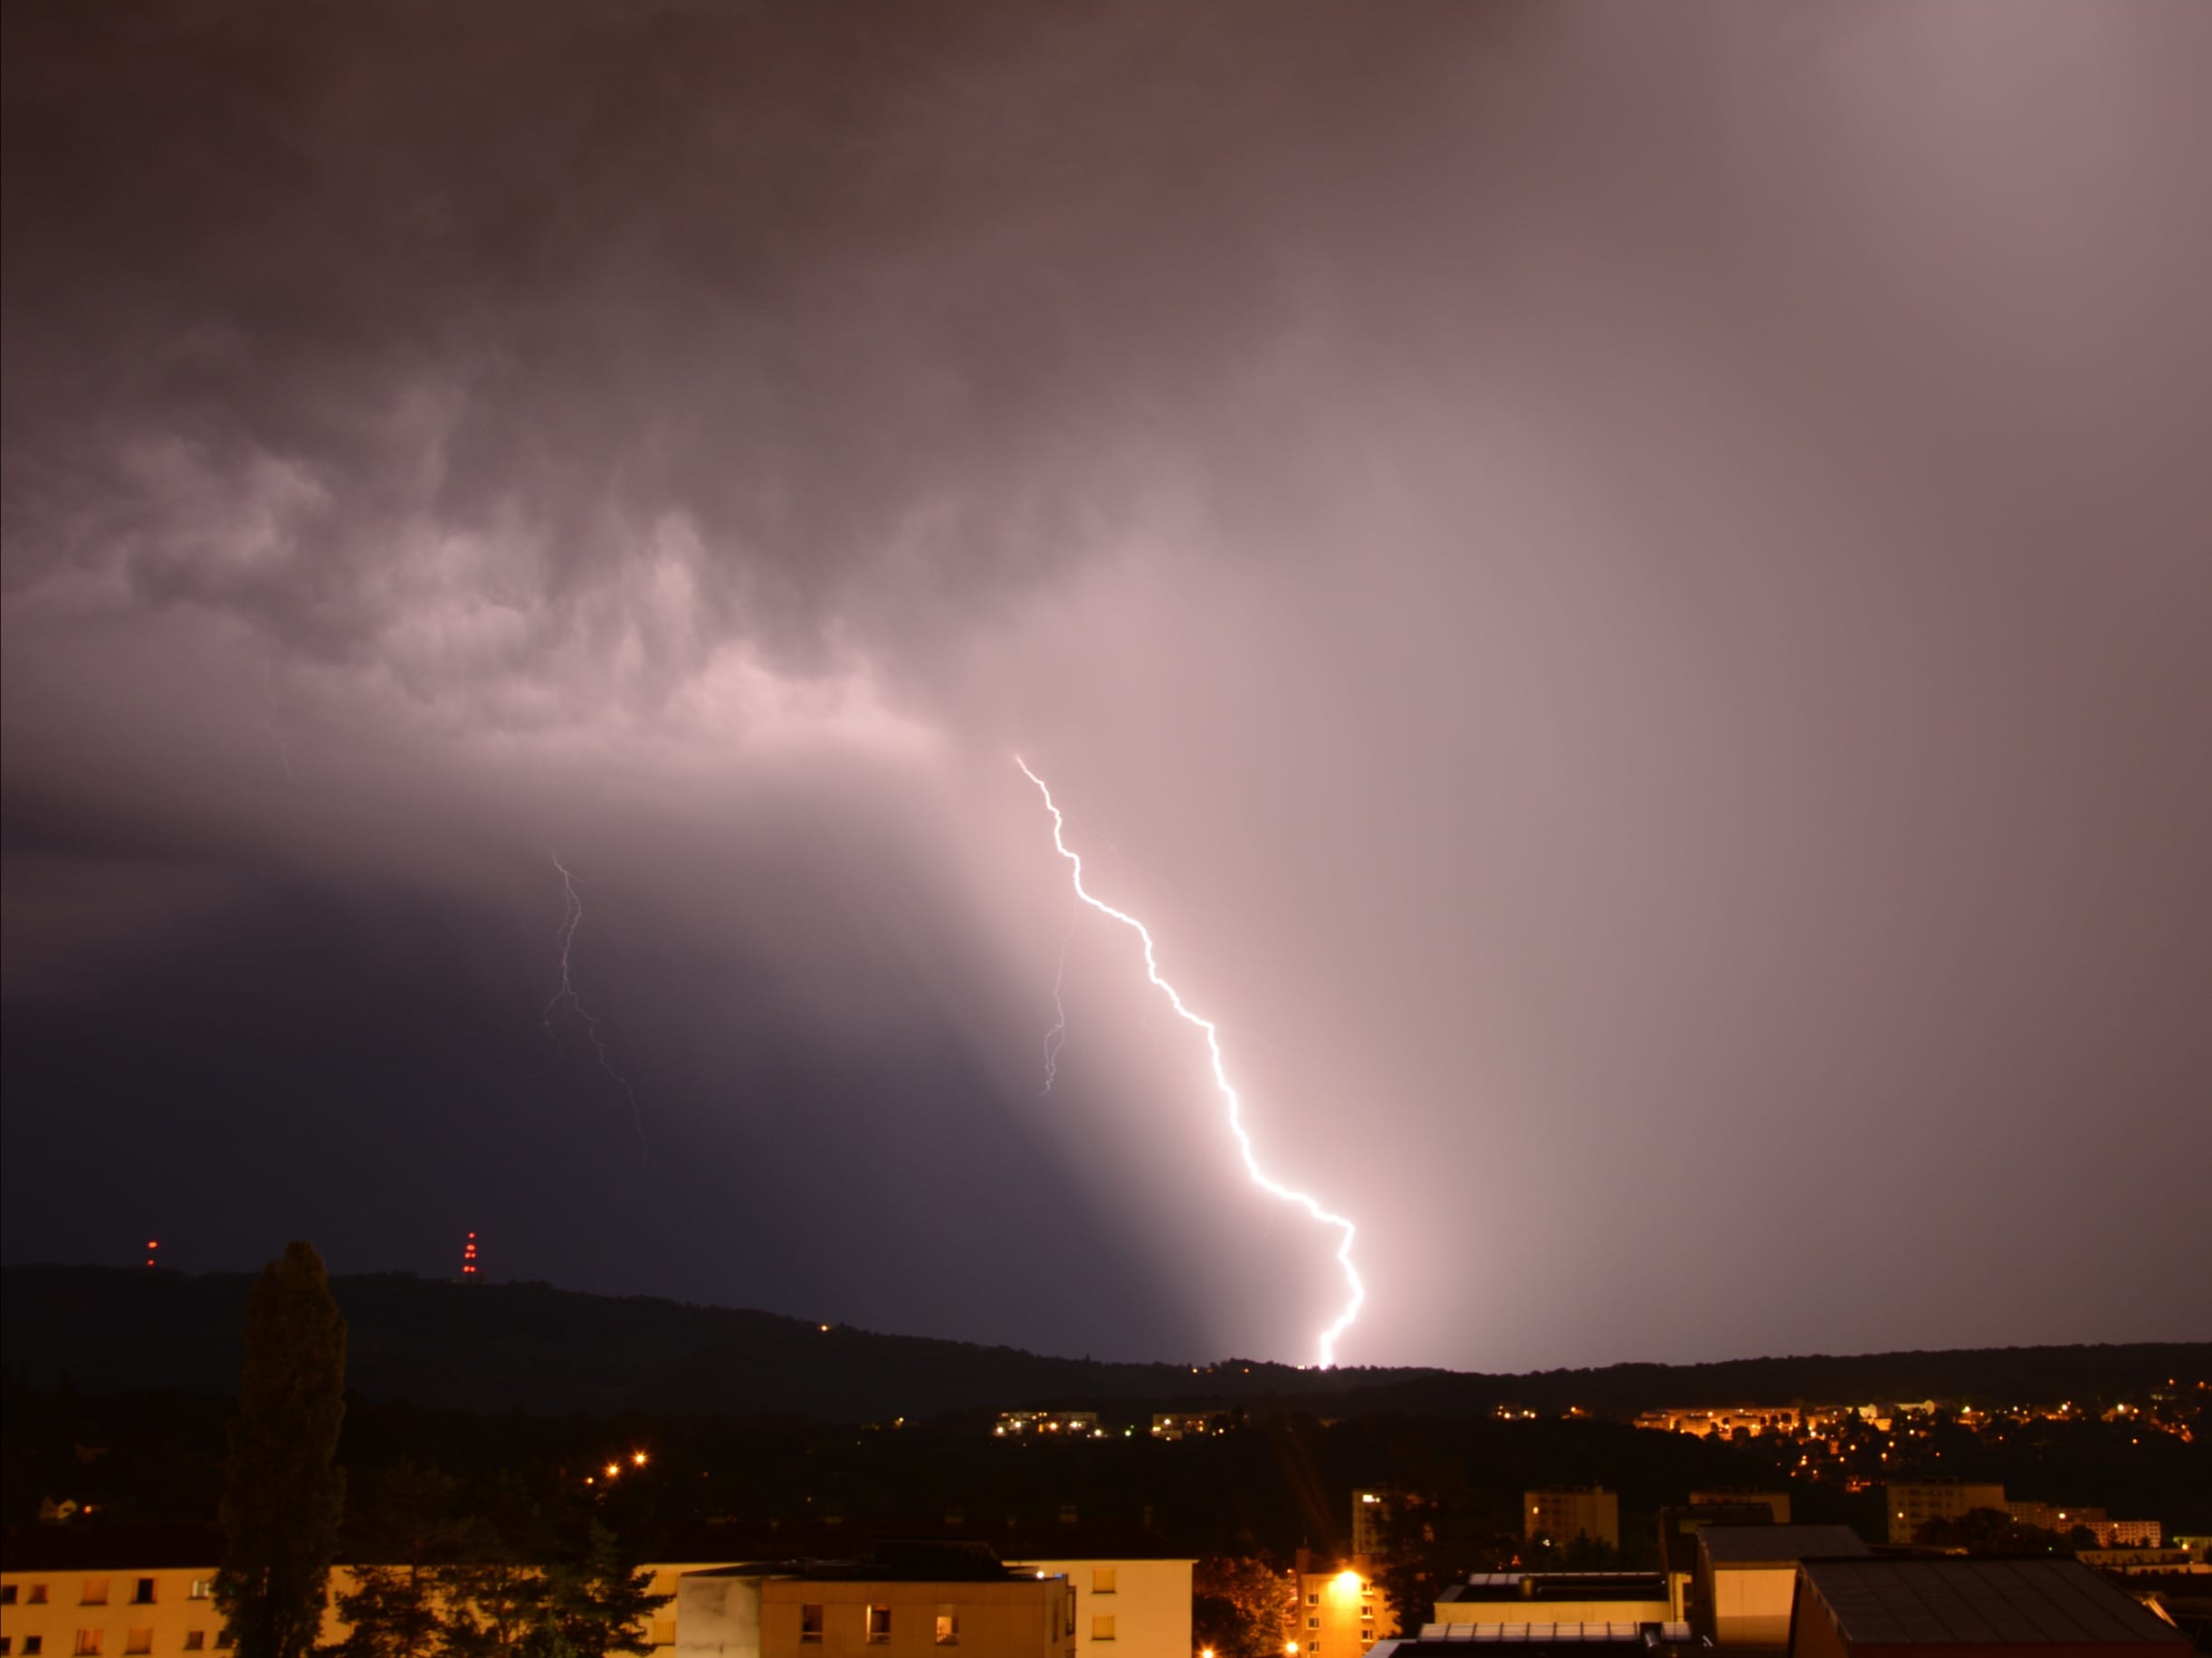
column 509, row 1573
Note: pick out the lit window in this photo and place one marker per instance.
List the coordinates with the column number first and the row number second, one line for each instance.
column 196, row 1640
column 664, row 1632
column 143, row 1595
column 810, row 1626
column 879, row 1623
column 88, row 1643
column 947, row 1626
column 139, row 1641
column 95, row 1593
column 1101, row 1579
column 1102, row 1627
column 201, row 1590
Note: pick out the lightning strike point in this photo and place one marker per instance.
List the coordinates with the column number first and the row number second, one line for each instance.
column 1259, row 1177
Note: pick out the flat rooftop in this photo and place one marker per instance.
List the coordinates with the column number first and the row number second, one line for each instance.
column 1962, row 1601
column 1490, row 1588
column 1777, row 1545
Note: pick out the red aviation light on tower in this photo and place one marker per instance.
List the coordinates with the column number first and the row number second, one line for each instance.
column 153, row 1248
column 468, row 1258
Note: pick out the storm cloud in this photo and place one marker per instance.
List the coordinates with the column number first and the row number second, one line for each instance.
column 1625, row 590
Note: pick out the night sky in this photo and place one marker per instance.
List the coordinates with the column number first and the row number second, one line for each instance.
column 1627, row 590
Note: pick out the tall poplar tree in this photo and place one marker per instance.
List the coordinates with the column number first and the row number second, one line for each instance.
column 283, row 1493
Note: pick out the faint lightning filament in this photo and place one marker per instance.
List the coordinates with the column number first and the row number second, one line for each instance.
column 572, row 918
column 1056, row 1038
column 1221, row 1081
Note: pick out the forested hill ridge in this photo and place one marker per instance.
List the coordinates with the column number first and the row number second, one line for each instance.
column 484, row 1346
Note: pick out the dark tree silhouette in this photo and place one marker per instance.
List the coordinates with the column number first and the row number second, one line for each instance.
column 283, row 1493
column 1240, row 1608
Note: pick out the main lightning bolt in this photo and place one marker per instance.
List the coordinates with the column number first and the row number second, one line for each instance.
column 1260, row 1176
column 572, row 918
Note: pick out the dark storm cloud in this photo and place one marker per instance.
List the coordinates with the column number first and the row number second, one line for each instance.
column 325, row 315
column 1626, row 588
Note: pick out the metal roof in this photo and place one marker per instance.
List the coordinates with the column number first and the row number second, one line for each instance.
column 1777, row 1545
column 1615, row 1633
column 1490, row 1588
column 1960, row 1600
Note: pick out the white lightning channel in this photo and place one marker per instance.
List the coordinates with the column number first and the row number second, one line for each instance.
column 1260, row 1176
column 572, row 918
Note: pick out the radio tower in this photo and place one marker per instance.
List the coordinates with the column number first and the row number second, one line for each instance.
column 153, row 1246
column 468, row 1260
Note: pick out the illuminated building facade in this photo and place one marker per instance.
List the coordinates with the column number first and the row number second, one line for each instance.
column 1187, row 1424
column 1057, row 1424
column 2109, row 1532
column 1125, row 1608
column 1746, row 1578
column 1914, row 1503
column 1339, row 1614
column 135, row 1594
column 1728, row 1422
column 874, row 1609
column 1565, row 1512
column 1678, row 1533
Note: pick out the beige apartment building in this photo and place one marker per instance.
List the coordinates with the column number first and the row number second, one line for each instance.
column 1116, row 1608
column 1126, row 1608
column 1914, row 1503
column 805, row 1612
column 109, row 1613
column 1565, row 1512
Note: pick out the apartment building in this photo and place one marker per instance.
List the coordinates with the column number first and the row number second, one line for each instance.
column 1125, row 1606
column 1565, row 1512
column 1914, row 1503
column 887, row 1606
column 1339, row 1614
column 132, row 1594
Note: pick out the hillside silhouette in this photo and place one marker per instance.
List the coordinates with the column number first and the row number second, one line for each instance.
column 498, row 1347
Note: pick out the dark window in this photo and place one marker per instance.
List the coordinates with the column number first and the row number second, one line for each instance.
column 879, row 1623
column 143, row 1596
column 810, row 1626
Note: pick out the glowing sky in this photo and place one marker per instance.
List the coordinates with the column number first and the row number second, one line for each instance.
column 1625, row 589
